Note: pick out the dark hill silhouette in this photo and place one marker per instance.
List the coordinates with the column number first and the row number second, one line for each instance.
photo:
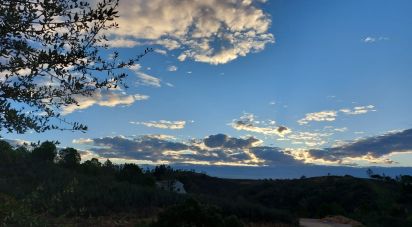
column 50, row 188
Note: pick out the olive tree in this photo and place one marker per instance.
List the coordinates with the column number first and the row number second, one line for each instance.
column 51, row 53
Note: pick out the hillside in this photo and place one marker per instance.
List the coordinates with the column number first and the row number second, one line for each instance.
column 46, row 187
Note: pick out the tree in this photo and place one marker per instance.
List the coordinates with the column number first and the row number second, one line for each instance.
column 50, row 54
column 108, row 164
column 133, row 174
column 5, row 146
column 130, row 172
column 47, row 151
column 92, row 166
column 5, row 152
column 69, row 157
column 369, row 172
column 163, row 172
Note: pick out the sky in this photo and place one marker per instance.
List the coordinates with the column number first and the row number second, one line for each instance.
column 235, row 85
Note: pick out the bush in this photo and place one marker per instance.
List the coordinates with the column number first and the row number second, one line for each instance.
column 193, row 214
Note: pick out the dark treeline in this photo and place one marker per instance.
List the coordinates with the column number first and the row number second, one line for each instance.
column 46, row 186
column 50, row 187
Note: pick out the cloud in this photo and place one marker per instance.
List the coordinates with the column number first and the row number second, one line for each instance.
column 82, row 141
column 371, row 149
column 108, row 98
column 343, row 129
column 148, row 80
column 163, row 124
column 247, row 122
column 145, row 79
column 328, row 115
column 145, row 147
column 161, row 51
column 224, row 141
column 172, row 68
column 359, row 110
column 331, row 115
column 274, row 156
column 210, row 31
column 371, row 39
column 120, row 42
column 17, row 142
column 219, row 149
column 310, row 139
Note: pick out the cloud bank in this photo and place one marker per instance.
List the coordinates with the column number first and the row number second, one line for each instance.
column 219, row 149
column 369, row 149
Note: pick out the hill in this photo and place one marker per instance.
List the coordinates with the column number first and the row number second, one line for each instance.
column 51, row 187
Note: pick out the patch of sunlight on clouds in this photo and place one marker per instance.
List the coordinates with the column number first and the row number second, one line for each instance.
column 210, row 31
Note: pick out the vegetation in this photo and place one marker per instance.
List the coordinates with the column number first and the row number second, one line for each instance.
column 47, row 186
column 50, row 55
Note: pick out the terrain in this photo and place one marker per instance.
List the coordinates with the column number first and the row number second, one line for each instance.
column 46, row 186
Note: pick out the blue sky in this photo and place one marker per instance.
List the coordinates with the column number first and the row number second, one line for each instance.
column 296, row 76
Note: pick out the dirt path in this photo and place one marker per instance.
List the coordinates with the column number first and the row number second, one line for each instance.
column 306, row 222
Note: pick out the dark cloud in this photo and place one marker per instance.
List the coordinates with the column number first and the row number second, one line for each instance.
column 274, row 156
column 224, row 141
column 374, row 147
column 145, row 147
column 243, row 122
column 219, row 148
column 282, row 129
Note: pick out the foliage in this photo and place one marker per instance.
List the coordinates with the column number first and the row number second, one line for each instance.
column 51, row 54
column 40, row 186
column 193, row 214
column 69, row 157
column 133, row 174
column 163, row 172
column 372, row 202
column 47, row 151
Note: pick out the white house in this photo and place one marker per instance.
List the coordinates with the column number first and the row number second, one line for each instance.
column 171, row 185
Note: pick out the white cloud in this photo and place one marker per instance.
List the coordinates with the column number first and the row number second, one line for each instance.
column 172, row 68
column 310, row 139
column 145, row 79
column 371, row 39
column 161, row 51
column 82, row 141
column 163, row 124
column 103, row 98
column 248, row 123
column 344, row 129
column 148, row 80
column 359, row 110
column 211, row 31
column 328, row 115
column 120, row 42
